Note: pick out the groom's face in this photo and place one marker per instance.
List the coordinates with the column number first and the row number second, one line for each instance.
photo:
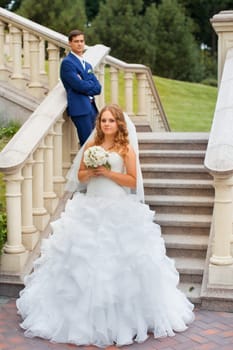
column 77, row 44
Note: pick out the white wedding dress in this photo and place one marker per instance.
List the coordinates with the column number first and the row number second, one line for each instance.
column 103, row 276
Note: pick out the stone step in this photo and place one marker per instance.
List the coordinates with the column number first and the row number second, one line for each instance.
column 186, row 253
column 142, row 126
column 189, row 266
column 173, row 140
column 180, row 204
column 176, row 187
column 188, row 241
column 183, row 220
column 192, row 291
column 174, row 171
column 185, row 230
column 172, row 156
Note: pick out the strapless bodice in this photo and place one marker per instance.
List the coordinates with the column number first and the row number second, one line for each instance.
column 102, row 186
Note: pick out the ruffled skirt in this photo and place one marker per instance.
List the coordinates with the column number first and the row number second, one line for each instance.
column 103, row 278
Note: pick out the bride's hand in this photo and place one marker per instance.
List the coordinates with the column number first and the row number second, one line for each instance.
column 101, row 171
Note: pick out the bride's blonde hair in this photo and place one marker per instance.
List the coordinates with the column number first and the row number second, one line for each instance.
column 121, row 140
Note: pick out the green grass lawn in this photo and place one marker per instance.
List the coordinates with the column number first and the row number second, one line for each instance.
column 188, row 106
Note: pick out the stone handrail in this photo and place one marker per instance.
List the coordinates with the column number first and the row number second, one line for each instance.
column 219, row 162
column 20, row 37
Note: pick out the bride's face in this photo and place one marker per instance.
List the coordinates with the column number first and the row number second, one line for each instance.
column 108, row 123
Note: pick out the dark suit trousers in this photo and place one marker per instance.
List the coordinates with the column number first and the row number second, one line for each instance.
column 85, row 124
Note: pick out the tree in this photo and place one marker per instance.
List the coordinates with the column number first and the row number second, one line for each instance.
column 178, row 56
column 10, row 5
column 5, row 3
column 54, row 15
column 120, row 25
column 92, row 9
column 201, row 11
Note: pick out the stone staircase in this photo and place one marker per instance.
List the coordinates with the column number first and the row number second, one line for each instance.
column 179, row 189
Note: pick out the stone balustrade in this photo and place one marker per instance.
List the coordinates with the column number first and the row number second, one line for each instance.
column 140, row 94
column 23, row 54
column 33, row 171
column 30, row 56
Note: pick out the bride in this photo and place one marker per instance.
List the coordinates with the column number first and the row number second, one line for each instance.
column 103, row 277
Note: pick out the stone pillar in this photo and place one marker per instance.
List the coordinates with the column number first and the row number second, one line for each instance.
column 58, row 178
column 4, row 73
column 221, row 261
column 50, row 197
column 114, row 85
column 223, row 26
column 14, row 253
column 43, row 74
column 66, row 144
column 53, row 53
column 30, row 233
column 26, row 53
column 141, row 78
column 149, row 106
column 41, row 217
column 10, row 44
column 129, row 93
column 17, row 78
column 35, row 87
column 101, row 98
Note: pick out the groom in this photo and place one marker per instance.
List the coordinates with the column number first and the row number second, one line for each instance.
column 81, row 86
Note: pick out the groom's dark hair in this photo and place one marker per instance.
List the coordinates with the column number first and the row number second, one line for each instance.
column 74, row 33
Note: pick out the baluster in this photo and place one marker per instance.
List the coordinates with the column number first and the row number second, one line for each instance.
column 43, row 74
column 141, row 78
column 30, row 233
column 129, row 93
column 10, row 44
column 57, row 159
column 114, row 84
column 149, row 105
column 14, row 253
column 17, row 78
column 53, row 53
column 35, row 87
column 102, row 100
column 74, row 141
column 26, row 53
column 155, row 118
column 41, row 217
column 4, row 72
column 50, row 197
column 66, row 143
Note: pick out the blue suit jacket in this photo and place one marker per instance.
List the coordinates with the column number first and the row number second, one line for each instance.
column 79, row 84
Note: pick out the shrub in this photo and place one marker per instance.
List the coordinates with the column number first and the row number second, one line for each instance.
column 9, row 130
column 210, row 82
column 3, row 229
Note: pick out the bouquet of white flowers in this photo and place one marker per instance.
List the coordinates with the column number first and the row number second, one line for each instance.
column 96, row 156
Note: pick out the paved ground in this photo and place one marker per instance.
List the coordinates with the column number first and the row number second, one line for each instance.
column 210, row 331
